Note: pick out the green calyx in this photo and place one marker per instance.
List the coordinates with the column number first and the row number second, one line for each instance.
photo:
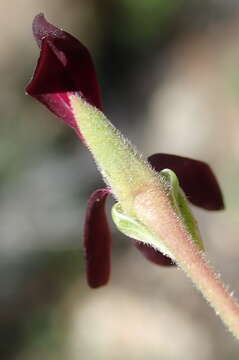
column 123, row 169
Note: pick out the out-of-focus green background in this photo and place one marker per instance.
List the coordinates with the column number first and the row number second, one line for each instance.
column 169, row 72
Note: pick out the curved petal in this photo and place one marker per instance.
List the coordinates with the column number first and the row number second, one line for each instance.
column 195, row 177
column 153, row 255
column 42, row 28
column 50, row 83
column 97, row 240
column 64, row 67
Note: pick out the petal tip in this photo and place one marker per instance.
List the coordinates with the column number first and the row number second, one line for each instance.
column 42, row 28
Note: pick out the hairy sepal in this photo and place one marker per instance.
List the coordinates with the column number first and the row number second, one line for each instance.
column 135, row 229
column 126, row 173
column 181, row 206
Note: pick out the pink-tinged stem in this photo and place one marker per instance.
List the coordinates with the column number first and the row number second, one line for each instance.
column 154, row 211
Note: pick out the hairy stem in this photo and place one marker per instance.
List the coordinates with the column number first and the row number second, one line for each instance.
column 155, row 212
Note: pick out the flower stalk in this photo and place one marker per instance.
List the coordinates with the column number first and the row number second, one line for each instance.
column 188, row 257
column 147, row 201
column 122, row 168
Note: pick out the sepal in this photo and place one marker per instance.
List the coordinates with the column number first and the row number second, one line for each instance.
column 180, row 204
column 132, row 227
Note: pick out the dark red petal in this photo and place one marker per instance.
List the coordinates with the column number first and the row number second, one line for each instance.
column 48, row 78
column 196, row 179
column 153, row 255
column 64, row 67
column 97, row 240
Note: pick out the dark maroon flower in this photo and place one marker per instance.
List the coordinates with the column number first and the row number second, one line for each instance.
column 65, row 68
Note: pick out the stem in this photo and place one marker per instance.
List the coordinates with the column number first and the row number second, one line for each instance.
column 154, row 211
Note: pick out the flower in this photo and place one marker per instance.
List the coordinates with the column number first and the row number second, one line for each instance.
column 65, row 69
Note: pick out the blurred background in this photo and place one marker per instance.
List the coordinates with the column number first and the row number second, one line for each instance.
column 169, row 72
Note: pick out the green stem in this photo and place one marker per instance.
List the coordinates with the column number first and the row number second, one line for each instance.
column 160, row 218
